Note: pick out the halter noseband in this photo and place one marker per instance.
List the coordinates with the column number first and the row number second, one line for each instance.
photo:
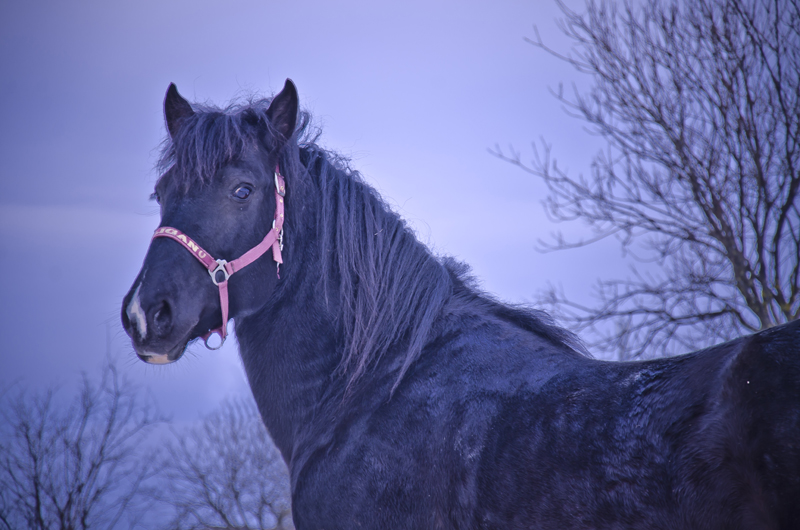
column 274, row 239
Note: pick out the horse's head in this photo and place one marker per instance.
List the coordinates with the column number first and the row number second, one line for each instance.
column 218, row 198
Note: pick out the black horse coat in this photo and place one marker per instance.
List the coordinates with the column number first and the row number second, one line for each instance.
column 403, row 397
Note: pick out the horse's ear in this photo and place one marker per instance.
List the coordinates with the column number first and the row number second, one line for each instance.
column 176, row 109
column 282, row 112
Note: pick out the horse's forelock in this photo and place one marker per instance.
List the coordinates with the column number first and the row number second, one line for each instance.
column 214, row 137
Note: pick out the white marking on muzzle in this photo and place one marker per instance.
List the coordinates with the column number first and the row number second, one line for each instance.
column 136, row 315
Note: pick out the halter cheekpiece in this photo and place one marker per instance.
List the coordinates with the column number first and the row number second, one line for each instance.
column 221, row 270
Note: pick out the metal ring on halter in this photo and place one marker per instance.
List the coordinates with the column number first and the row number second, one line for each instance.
column 220, row 268
column 205, row 340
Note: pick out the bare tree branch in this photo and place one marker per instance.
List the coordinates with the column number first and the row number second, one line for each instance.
column 226, row 473
column 75, row 467
column 698, row 102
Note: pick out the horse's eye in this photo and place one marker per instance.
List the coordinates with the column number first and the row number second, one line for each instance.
column 154, row 197
column 242, row 192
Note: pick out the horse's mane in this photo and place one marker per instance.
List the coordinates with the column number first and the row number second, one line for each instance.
column 391, row 287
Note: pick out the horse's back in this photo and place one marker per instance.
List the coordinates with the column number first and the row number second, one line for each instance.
column 761, row 409
column 705, row 440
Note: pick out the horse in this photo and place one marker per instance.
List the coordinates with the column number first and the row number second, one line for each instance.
column 402, row 396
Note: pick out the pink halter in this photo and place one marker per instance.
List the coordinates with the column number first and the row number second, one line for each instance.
column 274, row 239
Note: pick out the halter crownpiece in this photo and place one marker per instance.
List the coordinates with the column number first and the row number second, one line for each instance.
column 273, row 239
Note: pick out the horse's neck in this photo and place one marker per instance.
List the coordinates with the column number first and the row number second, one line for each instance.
column 290, row 353
column 291, row 347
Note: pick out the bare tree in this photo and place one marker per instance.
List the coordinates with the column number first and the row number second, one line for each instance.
column 700, row 107
column 75, row 467
column 226, row 473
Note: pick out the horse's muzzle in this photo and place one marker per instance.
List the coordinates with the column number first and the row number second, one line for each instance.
column 150, row 327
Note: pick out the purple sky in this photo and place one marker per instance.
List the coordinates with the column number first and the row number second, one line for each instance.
column 415, row 92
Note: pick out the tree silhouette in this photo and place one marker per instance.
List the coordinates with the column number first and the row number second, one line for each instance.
column 698, row 102
column 75, row 467
column 226, row 473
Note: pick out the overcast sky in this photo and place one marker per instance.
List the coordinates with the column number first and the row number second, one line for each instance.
column 415, row 92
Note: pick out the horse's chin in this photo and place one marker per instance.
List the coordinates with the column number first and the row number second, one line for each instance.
column 162, row 357
column 156, row 358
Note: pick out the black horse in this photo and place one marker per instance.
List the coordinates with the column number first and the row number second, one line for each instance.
column 401, row 396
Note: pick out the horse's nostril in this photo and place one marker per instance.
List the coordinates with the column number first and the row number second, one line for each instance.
column 162, row 319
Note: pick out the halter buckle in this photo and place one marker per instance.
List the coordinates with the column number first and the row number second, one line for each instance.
column 280, row 189
column 220, row 268
column 280, row 235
